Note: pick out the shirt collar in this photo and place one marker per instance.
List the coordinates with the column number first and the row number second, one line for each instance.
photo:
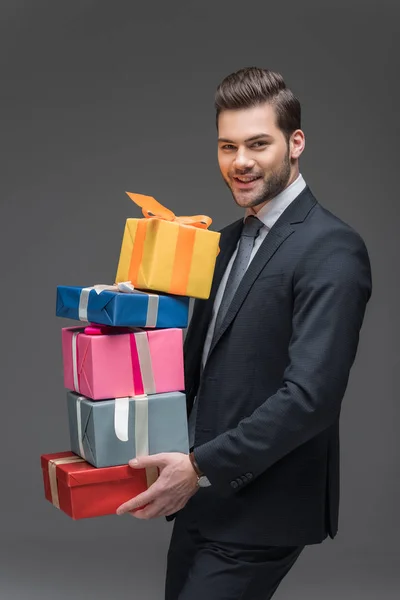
column 271, row 212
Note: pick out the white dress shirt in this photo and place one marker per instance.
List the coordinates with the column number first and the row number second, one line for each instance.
column 268, row 214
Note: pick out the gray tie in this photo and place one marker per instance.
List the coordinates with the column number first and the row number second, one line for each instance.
column 250, row 231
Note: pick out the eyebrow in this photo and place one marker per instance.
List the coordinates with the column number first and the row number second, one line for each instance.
column 250, row 139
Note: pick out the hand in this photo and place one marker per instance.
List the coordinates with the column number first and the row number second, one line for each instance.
column 176, row 483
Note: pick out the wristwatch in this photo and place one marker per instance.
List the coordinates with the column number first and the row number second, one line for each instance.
column 202, row 480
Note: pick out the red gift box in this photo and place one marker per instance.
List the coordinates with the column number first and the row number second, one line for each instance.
column 81, row 490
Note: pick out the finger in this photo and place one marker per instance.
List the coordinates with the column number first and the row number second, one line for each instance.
column 156, row 509
column 136, row 502
column 151, row 511
column 153, row 460
column 140, row 514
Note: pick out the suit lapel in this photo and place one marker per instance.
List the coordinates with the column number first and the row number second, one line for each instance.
column 202, row 310
column 283, row 228
column 229, row 239
column 267, row 249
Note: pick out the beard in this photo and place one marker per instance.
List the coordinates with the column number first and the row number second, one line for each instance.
column 271, row 186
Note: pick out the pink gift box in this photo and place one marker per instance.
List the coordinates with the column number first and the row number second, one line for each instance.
column 107, row 363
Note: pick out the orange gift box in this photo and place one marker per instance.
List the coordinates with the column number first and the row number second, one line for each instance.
column 165, row 253
column 81, row 490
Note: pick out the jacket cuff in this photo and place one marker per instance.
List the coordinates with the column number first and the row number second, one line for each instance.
column 205, row 458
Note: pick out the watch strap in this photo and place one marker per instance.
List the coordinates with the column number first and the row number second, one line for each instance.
column 195, row 466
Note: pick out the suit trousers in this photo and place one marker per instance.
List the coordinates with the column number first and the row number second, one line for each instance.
column 200, row 568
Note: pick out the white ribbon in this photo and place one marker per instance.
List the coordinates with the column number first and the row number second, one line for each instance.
column 52, row 470
column 125, row 287
column 151, row 475
column 141, row 429
column 152, row 310
column 142, row 425
column 75, row 359
column 145, row 363
column 121, row 418
column 79, row 425
column 121, row 422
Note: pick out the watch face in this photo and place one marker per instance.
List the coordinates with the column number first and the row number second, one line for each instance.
column 204, row 481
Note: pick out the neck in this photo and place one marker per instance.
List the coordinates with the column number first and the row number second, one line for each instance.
column 295, row 172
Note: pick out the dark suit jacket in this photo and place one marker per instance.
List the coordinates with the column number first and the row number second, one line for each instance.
column 269, row 398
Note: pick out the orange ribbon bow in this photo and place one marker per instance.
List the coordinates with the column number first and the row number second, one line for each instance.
column 151, row 208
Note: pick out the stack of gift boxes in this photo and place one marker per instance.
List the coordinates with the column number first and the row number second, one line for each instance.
column 123, row 367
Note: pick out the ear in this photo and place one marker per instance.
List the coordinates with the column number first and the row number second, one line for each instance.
column 297, row 144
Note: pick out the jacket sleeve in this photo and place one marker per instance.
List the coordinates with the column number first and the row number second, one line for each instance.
column 331, row 288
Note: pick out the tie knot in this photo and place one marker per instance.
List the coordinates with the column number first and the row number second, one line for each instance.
column 252, row 226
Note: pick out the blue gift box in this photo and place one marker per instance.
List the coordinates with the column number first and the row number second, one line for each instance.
column 119, row 309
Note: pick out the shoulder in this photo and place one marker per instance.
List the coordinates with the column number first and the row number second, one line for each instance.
column 329, row 249
column 324, row 230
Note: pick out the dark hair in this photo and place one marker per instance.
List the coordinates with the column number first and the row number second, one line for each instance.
column 251, row 86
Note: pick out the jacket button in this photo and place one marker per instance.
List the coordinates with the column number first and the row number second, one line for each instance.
column 244, row 478
column 249, row 475
column 234, row 484
column 239, row 480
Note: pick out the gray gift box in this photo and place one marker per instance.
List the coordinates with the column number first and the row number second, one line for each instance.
column 110, row 432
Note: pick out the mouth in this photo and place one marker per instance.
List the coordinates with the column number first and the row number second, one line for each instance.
column 245, row 182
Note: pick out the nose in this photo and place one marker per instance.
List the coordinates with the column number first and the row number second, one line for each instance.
column 242, row 160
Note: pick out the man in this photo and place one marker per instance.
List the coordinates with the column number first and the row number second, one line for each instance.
column 267, row 361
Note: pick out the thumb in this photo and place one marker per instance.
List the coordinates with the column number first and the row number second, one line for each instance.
column 142, row 462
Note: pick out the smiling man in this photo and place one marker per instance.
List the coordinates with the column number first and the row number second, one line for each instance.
column 256, row 168
column 267, row 361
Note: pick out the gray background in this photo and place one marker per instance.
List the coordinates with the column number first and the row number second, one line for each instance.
column 103, row 97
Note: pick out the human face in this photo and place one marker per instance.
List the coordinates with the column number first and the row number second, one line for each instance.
column 256, row 160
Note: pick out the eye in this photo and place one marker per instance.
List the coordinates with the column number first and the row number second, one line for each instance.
column 259, row 144
column 227, row 147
